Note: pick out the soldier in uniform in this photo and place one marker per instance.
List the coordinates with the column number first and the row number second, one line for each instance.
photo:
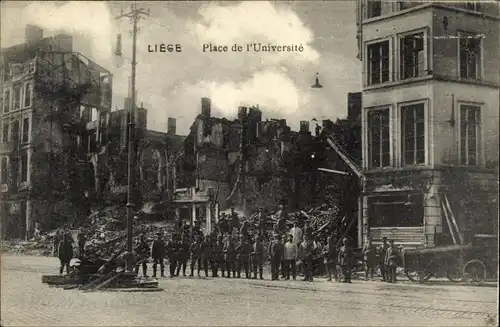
column 230, row 256
column 382, row 250
column 81, row 244
column 345, row 260
column 173, row 254
column 205, row 252
column 258, row 258
column 307, row 251
column 275, row 256
column 243, row 251
column 391, row 262
column 369, row 257
column 218, row 257
column 330, row 255
column 158, row 251
column 195, row 251
column 183, row 255
column 65, row 253
column 142, row 251
column 262, row 218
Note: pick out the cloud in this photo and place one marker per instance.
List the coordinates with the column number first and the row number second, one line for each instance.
column 87, row 18
column 171, row 84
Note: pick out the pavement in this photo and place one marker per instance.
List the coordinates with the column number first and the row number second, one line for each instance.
column 25, row 301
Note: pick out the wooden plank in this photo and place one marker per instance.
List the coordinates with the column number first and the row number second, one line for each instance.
column 448, row 223
column 438, row 249
column 454, row 221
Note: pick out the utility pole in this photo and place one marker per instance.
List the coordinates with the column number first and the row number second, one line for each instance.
column 134, row 15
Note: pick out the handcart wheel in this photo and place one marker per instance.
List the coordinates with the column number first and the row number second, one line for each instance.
column 453, row 269
column 474, row 272
column 420, row 275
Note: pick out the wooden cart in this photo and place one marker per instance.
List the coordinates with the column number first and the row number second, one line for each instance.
column 473, row 262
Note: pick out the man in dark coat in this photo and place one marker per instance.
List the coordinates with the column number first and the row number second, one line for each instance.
column 243, row 251
column 391, row 262
column 196, row 231
column 345, row 258
column 244, row 232
column 142, row 250
column 65, row 253
column 173, row 249
column 195, row 251
column 262, row 219
column 230, row 256
column 258, row 257
column 308, row 230
column 382, row 250
column 235, row 220
column 158, row 252
column 205, row 252
column 183, row 255
column 330, row 255
column 218, row 257
column 275, row 256
column 81, row 244
column 307, row 253
column 224, row 225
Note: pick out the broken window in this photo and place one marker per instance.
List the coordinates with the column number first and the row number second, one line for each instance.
column 378, row 63
column 378, row 139
column 470, row 56
column 412, row 56
column 6, row 101
column 396, row 211
column 27, row 95
column 413, row 134
column 26, row 130
column 17, row 97
column 5, row 133
column 469, row 134
column 24, row 167
column 15, row 133
column 4, row 170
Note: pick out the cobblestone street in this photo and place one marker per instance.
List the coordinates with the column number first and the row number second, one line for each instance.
column 210, row 301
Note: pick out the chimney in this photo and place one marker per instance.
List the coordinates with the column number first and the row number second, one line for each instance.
column 304, row 126
column 353, row 105
column 171, row 125
column 242, row 113
column 33, row 34
column 206, row 107
column 327, row 125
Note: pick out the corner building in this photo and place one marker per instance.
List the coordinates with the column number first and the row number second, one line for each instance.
column 429, row 118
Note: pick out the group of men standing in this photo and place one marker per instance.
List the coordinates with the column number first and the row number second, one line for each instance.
column 386, row 256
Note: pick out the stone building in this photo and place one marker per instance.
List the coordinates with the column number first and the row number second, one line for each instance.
column 430, row 118
column 45, row 86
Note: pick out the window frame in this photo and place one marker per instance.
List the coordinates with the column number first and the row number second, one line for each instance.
column 5, row 129
column 24, row 132
column 23, row 168
column 7, row 104
column 20, row 102
column 413, row 4
column 2, row 169
column 401, row 141
column 366, row 138
column 398, row 57
column 369, row 9
column 479, row 150
column 479, row 66
column 367, row 66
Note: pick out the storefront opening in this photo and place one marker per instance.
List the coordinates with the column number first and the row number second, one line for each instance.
column 396, row 211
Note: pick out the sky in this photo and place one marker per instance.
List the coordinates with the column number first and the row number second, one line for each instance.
column 172, row 84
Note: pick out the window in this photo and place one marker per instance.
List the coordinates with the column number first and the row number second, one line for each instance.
column 17, row 97
column 374, row 8
column 5, row 133
column 470, row 56
column 469, row 134
column 24, row 167
column 3, row 171
column 27, row 95
column 378, row 138
column 412, row 56
column 408, row 4
column 26, row 130
column 15, row 133
column 6, row 101
column 471, row 5
column 413, row 134
column 378, row 63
